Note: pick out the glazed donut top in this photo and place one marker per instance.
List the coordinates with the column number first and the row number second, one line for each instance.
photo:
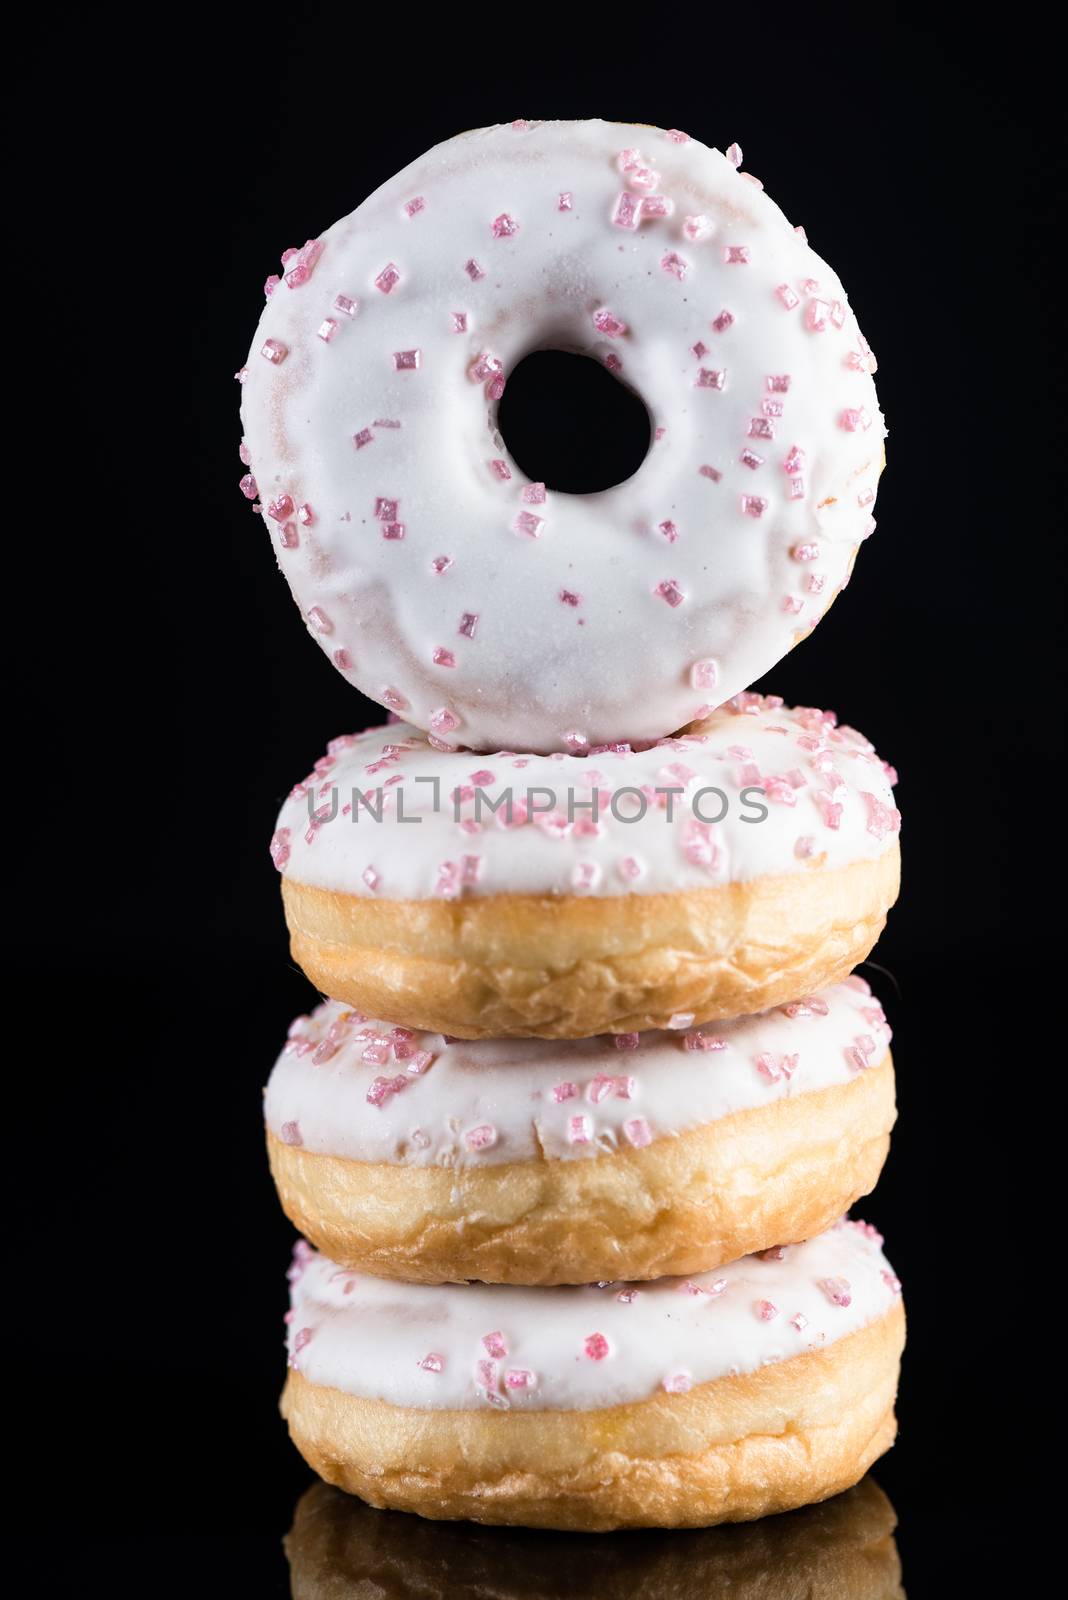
column 685, row 814
column 439, row 578
column 345, row 1086
column 465, row 1346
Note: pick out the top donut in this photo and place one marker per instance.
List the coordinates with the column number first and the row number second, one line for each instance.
column 493, row 611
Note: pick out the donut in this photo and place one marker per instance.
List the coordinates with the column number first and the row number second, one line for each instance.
column 843, row 1549
column 533, row 1162
column 766, row 1385
column 709, row 875
column 439, row 578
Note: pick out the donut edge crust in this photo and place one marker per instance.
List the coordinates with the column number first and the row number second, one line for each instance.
column 687, row 1203
column 566, row 967
column 789, row 1434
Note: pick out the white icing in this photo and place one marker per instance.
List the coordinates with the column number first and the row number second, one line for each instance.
column 528, row 1092
column 435, row 854
column 536, row 668
column 369, row 1336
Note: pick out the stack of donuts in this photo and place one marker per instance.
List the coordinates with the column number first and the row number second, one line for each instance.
column 572, row 1138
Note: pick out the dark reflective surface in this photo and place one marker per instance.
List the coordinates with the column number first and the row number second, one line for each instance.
column 340, row 1549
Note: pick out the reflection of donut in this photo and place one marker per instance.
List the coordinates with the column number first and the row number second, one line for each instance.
column 531, row 1161
column 340, row 1549
column 766, row 1385
column 436, row 575
column 689, row 895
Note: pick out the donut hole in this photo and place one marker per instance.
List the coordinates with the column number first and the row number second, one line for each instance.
column 568, row 423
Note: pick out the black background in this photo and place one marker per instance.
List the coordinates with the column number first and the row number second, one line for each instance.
column 912, row 155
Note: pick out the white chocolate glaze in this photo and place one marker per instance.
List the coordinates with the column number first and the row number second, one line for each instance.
column 345, row 1086
column 453, row 1346
column 827, row 802
column 396, row 511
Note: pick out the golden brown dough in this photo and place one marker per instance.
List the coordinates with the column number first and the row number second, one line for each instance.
column 769, row 1175
column 741, row 1447
column 505, row 966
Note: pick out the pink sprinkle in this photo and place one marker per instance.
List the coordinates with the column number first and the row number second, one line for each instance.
column 733, row 153
column 500, row 469
column 468, row 624
column 484, row 1137
column 882, row 819
column 709, row 378
column 433, row 1363
column 626, row 1041
column 388, row 278
column 754, row 505
column 830, row 810
column 704, row 674
column 494, row 1345
column 281, row 508
column 697, row 229
column 721, row 323
column 638, row 1132
column 749, row 458
column 669, row 530
column 441, row 564
column 677, row 136
column 346, row 306
column 608, row 323
column 504, row 226
column 761, row 428
column 363, row 437
column 787, row 296
column 669, row 590
column 699, row 350
column 805, row 552
column 564, row 1091
column 248, row 488
column 892, row 1281
column 319, row 620
column 342, row 660
column 656, row 205
column 627, row 210
column 304, row 1337
column 568, row 598
column 407, row 360
column 326, row 329
column 443, row 657
column 473, row 270
column 370, row 878
column 703, row 1041
column 534, row 494
column 817, row 316
column 678, row 1383
column 288, row 537
column 596, row 1347
column 837, row 1291
column 578, row 1130
column 271, row 284
column 564, row 201
column 385, row 510
column 291, row 1133
column 529, row 524
column 736, row 255
column 413, row 207
column 305, row 514
column 854, row 420
column 519, row 1378
column 274, row 351
column 443, row 720
column 674, row 264
column 765, row 1310
column 459, row 322
column 710, row 472
column 795, row 459
column 792, row 605
column 393, row 530
column 799, row 1322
